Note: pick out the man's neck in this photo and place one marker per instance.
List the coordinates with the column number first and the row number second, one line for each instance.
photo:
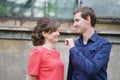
column 87, row 35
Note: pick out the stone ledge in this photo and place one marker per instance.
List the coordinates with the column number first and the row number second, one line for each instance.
column 61, row 30
column 113, row 37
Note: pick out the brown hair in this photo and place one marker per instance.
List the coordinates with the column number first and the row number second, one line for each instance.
column 43, row 24
column 85, row 12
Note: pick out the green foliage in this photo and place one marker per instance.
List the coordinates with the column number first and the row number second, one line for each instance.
column 3, row 8
column 50, row 9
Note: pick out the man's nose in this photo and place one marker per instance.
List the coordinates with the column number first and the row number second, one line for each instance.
column 74, row 24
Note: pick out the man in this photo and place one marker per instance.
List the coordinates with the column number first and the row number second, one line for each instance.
column 89, row 55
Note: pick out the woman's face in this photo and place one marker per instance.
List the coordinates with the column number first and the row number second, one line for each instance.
column 52, row 37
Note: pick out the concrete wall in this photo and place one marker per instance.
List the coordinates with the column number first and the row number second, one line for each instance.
column 15, row 47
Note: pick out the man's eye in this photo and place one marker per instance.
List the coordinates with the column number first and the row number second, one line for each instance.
column 77, row 20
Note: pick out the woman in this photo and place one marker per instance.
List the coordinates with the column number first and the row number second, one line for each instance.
column 44, row 61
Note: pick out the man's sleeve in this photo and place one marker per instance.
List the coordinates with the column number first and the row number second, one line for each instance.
column 92, row 66
column 70, row 71
column 33, row 62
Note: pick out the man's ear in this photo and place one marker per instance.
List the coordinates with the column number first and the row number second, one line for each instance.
column 88, row 19
column 44, row 34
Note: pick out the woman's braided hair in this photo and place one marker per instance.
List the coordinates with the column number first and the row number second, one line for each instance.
column 45, row 24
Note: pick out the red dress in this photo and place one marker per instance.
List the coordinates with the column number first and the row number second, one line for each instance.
column 45, row 64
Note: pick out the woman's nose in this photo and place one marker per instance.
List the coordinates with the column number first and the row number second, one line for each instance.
column 58, row 33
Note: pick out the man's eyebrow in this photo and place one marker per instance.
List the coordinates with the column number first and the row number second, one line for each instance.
column 76, row 19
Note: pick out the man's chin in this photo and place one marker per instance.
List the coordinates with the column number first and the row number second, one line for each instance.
column 79, row 32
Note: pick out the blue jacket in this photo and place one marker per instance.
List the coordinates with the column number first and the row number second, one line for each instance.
column 89, row 62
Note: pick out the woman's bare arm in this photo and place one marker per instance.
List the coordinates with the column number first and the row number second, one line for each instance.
column 30, row 77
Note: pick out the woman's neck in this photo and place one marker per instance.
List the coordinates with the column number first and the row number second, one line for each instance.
column 48, row 45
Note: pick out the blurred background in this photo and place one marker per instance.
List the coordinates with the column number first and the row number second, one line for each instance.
column 18, row 18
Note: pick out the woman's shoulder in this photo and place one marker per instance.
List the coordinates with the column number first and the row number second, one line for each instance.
column 37, row 51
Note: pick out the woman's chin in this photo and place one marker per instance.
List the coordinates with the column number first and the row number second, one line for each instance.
column 55, row 41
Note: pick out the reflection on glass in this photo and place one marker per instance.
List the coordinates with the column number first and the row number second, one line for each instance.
column 62, row 9
column 38, row 8
column 104, row 8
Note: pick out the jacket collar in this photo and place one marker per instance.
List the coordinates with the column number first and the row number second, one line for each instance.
column 93, row 38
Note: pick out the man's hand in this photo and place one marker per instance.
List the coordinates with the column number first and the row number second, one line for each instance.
column 69, row 42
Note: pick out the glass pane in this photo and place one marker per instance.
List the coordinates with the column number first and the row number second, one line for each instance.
column 54, row 8
column 62, row 9
column 15, row 8
column 65, row 8
column 104, row 8
column 37, row 8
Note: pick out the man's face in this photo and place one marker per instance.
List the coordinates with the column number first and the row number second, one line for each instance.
column 79, row 23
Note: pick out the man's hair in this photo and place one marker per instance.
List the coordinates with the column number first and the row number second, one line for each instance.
column 85, row 12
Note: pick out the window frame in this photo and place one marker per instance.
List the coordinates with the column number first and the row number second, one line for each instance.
column 103, row 20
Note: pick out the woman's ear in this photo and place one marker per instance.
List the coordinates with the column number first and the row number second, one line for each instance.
column 44, row 34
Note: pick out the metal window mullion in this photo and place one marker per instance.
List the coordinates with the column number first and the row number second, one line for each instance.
column 79, row 3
